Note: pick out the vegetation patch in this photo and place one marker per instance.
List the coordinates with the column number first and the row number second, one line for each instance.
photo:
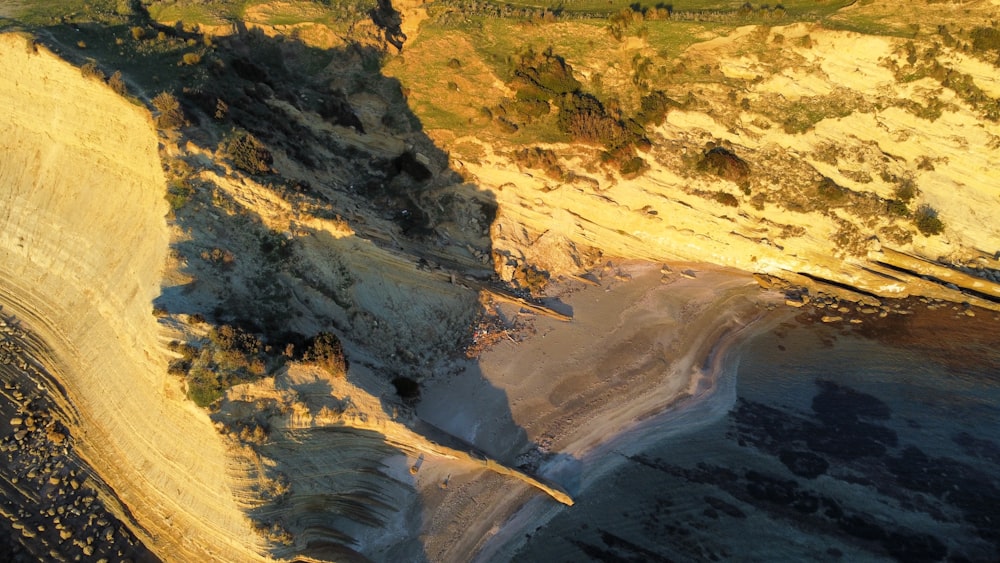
column 724, row 163
column 248, row 153
column 927, row 221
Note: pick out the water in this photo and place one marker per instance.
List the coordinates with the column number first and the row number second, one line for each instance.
column 840, row 447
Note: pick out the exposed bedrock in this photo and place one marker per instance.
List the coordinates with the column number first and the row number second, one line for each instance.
column 83, row 242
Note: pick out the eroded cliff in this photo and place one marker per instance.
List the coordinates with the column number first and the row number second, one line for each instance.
column 83, row 243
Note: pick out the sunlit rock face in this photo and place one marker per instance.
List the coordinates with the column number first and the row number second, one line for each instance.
column 83, row 242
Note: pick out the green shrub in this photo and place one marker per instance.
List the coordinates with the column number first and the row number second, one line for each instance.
column 204, row 387
column 653, row 108
column 927, row 220
column 179, row 193
column 548, row 72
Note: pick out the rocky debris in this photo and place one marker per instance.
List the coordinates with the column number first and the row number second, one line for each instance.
column 54, row 513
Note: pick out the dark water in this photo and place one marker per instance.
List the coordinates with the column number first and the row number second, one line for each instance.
column 838, row 448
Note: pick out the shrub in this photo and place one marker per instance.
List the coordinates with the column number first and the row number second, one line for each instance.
column 117, row 83
column 191, row 59
column 897, row 208
column 542, row 159
column 927, row 221
column 170, row 114
column 326, row 352
column 633, row 167
column 585, row 119
column 906, row 190
column 830, row 191
column 726, row 199
column 137, row 33
column 548, row 72
column 248, row 153
column 653, row 108
column 724, row 163
column 986, row 39
column 179, row 193
column 90, row 70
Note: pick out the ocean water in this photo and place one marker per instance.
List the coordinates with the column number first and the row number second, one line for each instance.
column 841, row 445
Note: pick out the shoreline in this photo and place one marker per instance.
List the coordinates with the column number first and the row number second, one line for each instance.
column 669, row 342
column 713, row 395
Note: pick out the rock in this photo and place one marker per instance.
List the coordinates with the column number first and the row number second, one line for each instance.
column 856, row 321
column 830, row 319
column 868, row 311
column 970, row 313
column 794, row 302
column 16, row 421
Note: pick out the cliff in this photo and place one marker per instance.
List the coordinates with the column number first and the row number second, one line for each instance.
column 83, row 242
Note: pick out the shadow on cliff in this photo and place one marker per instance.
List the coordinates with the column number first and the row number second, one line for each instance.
column 335, row 214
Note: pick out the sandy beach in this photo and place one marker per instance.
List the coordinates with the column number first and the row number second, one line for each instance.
column 647, row 344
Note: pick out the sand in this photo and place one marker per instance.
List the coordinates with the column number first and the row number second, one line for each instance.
column 643, row 347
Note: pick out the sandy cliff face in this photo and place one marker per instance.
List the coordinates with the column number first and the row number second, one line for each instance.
column 83, row 242
column 805, row 107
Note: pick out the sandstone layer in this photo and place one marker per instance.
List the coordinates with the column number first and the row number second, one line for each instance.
column 83, row 244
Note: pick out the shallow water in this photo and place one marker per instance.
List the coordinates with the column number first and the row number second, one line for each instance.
column 838, row 447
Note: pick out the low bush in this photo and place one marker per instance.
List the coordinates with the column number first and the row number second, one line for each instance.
column 248, row 153
column 927, row 221
column 326, row 351
column 170, row 114
column 117, row 83
column 726, row 199
column 724, row 163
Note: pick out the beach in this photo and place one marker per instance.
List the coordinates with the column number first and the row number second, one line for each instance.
column 872, row 441
column 646, row 346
